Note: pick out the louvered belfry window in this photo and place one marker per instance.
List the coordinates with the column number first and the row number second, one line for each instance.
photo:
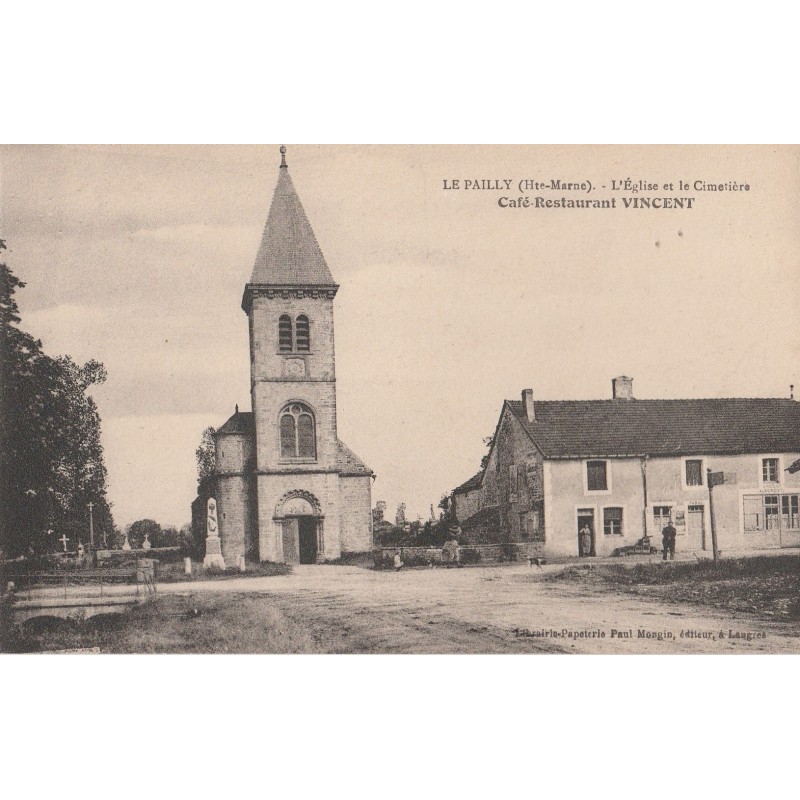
column 285, row 334
column 303, row 335
column 298, row 436
column 294, row 337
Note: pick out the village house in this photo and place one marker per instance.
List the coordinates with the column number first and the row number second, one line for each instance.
column 624, row 467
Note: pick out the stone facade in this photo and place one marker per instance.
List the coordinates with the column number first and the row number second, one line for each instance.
column 287, row 488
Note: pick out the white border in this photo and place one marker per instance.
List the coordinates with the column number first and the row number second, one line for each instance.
column 251, row 74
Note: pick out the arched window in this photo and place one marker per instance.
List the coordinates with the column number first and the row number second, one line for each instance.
column 303, row 335
column 285, row 334
column 298, row 436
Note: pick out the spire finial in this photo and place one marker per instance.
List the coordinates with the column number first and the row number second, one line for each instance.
column 283, row 156
column 791, row 391
column 237, row 408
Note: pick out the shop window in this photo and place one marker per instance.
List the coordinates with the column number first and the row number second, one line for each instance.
column 661, row 516
column 790, row 518
column 771, row 512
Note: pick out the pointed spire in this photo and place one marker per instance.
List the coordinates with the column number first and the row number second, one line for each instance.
column 289, row 255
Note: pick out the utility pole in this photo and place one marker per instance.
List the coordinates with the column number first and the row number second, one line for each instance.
column 91, row 531
column 711, row 484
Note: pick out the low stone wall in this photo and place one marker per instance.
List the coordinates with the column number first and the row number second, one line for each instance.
column 165, row 554
column 467, row 553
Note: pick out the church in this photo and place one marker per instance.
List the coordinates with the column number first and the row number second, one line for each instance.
column 287, row 488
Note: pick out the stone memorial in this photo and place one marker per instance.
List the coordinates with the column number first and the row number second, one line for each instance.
column 213, row 546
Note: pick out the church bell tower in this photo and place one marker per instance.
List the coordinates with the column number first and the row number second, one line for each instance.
column 309, row 495
column 289, row 303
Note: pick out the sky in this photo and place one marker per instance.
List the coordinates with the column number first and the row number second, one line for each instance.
column 137, row 256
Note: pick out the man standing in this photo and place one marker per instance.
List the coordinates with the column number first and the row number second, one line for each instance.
column 668, row 540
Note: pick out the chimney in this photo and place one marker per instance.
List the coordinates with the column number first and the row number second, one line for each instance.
column 622, row 388
column 527, row 403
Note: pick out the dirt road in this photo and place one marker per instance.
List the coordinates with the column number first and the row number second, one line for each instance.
column 496, row 610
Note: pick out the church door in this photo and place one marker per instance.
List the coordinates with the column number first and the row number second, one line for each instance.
column 308, row 540
column 291, row 552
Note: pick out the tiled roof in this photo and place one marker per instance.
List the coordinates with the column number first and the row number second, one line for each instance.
column 241, row 423
column 349, row 463
column 289, row 254
column 662, row 427
column 490, row 515
column 473, row 483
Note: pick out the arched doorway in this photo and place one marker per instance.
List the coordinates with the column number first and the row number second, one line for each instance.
column 300, row 519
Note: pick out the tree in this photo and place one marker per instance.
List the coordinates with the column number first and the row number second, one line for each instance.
column 141, row 529
column 447, row 507
column 51, row 456
column 488, row 441
column 378, row 512
column 400, row 516
column 185, row 539
column 169, row 537
column 206, row 455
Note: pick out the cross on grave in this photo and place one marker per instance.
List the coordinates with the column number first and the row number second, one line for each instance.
column 64, row 541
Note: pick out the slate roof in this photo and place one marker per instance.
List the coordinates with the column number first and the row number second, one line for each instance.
column 289, row 254
column 473, row 483
column 349, row 463
column 242, row 423
column 662, row 427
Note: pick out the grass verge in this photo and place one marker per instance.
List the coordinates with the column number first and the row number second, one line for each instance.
column 768, row 586
column 174, row 573
column 207, row 623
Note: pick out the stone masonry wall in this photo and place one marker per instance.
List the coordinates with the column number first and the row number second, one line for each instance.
column 356, row 514
column 235, row 517
column 519, row 478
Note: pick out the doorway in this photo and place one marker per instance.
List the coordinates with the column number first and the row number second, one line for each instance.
column 697, row 527
column 300, row 540
column 307, row 531
column 586, row 543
